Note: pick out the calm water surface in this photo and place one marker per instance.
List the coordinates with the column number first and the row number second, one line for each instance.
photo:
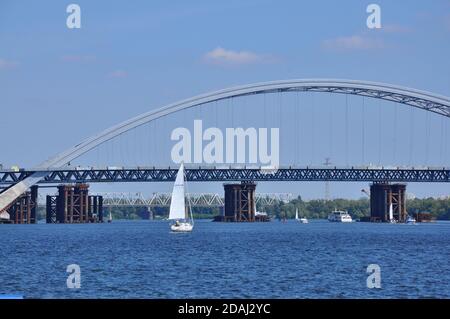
column 142, row 259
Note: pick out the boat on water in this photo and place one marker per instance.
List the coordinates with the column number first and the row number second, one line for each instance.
column 410, row 220
column 302, row 220
column 110, row 217
column 340, row 216
column 184, row 222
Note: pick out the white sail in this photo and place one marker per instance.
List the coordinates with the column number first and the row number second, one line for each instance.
column 296, row 214
column 177, row 204
column 391, row 212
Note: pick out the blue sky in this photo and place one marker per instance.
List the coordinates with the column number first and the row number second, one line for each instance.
column 130, row 57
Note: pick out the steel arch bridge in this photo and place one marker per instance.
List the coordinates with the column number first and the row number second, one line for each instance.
column 415, row 98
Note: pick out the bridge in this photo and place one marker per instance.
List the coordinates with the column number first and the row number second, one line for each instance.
column 120, row 199
column 56, row 170
column 213, row 174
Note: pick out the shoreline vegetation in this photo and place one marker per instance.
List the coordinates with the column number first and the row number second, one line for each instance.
column 311, row 209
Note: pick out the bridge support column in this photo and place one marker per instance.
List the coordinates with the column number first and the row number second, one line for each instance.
column 73, row 204
column 240, row 203
column 95, row 209
column 381, row 198
column 23, row 209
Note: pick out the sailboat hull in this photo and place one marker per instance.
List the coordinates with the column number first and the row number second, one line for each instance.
column 182, row 227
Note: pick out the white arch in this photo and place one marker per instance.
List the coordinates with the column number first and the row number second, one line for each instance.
column 421, row 99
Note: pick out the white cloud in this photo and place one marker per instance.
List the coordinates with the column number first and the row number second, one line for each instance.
column 223, row 56
column 118, row 74
column 8, row 64
column 354, row 42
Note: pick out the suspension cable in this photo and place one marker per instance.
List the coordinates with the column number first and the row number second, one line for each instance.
column 395, row 133
column 313, row 129
column 442, row 141
column 297, row 132
column 427, row 137
column 363, row 129
column 330, row 127
column 265, row 109
column 411, row 134
column 346, row 130
column 280, row 118
column 380, row 115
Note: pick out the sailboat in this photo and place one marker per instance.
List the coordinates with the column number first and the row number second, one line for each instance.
column 178, row 212
column 110, row 217
column 391, row 214
column 302, row 220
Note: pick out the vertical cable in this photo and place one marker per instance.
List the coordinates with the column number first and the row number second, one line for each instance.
column 297, row 132
column 442, row 141
column 149, row 144
column 346, row 130
column 411, row 134
column 265, row 110
column 155, row 138
column 313, row 129
column 121, row 149
column 427, row 137
column 280, row 106
column 232, row 112
column 446, row 148
column 216, row 111
column 279, row 109
column 394, row 131
column 380, row 117
column 97, row 156
column 330, row 126
column 363, row 129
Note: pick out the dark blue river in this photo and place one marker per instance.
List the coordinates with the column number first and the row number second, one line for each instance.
column 142, row 259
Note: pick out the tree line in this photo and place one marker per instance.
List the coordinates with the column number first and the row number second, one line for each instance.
column 312, row 209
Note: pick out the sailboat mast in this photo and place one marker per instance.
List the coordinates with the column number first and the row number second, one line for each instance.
column 188, row 212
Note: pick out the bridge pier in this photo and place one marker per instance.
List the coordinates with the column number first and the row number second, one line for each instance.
column 74, row 205
column 23, row 209
column 382, row 196
column 240, row 204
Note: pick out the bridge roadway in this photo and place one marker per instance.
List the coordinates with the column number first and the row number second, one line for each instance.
column 229, row 174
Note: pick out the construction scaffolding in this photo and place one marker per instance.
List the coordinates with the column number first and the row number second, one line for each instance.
column 382, row 196
column 23, row 210
column 73, row 204
column 240, row 204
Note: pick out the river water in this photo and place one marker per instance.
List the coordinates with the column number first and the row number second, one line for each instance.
column 142, row 259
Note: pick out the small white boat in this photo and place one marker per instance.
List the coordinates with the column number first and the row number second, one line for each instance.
column 410, row 220
column 110, row 217
column 178, row 211
column 339, row 216
column 302, row 220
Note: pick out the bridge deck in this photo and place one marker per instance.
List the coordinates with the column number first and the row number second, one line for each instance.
column 93, row 175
